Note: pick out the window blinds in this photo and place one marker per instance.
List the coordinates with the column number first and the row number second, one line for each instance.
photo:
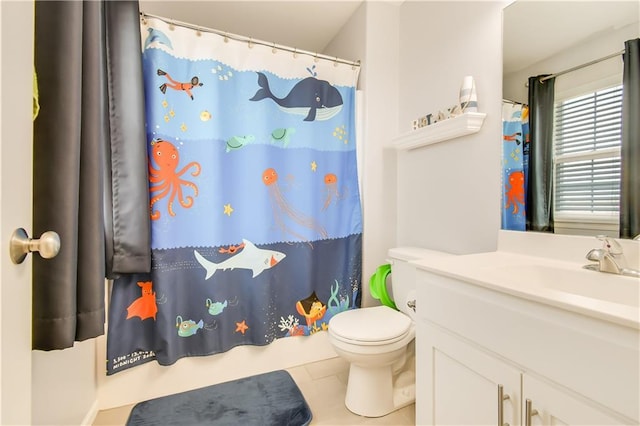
column 587, row 153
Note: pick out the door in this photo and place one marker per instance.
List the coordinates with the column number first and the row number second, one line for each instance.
column 466, row 390
column 551, row 405
column 16, row 74
column 457, row 383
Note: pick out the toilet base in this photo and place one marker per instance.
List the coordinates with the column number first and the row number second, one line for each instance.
column 371, row 392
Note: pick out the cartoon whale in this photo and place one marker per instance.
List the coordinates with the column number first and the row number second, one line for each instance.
column 251, row 257
column 316, row 99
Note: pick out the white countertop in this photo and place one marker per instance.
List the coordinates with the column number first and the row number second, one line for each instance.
column 560, row 283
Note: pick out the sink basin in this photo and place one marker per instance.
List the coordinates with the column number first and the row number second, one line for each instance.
column 592, row 284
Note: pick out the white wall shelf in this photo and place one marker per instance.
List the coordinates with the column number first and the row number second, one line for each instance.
column 465, row 124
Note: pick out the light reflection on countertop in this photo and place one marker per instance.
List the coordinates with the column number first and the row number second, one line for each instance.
column 558, row 283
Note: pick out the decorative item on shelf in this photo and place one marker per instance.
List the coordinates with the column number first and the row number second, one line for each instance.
column 468, row 99
column 467, row 102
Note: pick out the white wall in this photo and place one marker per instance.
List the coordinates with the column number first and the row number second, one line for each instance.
column 449, row 193
column 64, row 390
column 372, row 36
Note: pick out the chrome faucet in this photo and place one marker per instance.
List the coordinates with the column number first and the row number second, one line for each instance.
column 610, row 258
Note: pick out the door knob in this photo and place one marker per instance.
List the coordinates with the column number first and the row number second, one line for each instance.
column 20, row 245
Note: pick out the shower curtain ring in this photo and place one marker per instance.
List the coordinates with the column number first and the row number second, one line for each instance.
column 295, row 52
column 226, row 38
column 250, row 44
column 315, row 59
column 335, row 62
column 171, row 26
column 274, row 50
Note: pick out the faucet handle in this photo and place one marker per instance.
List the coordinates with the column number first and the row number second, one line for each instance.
column 610, row 244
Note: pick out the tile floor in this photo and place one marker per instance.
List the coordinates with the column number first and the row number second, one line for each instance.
column 323, row 385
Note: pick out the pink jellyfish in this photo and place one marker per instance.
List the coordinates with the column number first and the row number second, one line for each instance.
column 280, row 205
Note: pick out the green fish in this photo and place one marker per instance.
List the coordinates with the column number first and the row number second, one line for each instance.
column 188, row 328
column 216, row 308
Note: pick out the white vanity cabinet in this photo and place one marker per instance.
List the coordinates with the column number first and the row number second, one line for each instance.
column 481, row 354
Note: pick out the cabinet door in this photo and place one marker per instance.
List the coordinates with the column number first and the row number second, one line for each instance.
column 556, row 406
column 458, row 383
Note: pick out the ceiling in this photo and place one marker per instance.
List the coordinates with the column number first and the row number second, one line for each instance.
column 542, row 26
column 304, row 24
column 547, row 27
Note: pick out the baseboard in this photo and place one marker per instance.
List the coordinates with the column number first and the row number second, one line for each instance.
column 90, row 417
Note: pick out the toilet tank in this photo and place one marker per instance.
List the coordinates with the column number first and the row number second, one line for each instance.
column 403, row 274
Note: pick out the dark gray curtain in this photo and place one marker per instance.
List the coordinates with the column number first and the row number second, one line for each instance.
column 630, row 173
column 539, row 207
column 90, row 167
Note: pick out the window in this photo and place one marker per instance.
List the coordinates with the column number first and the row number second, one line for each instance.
column 587, row 158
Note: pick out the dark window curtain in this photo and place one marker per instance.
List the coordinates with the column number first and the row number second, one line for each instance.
column 630, row 165
column 539, row 207
column 90, row 167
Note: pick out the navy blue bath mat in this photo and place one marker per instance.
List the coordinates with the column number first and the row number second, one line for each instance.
column 262, row 400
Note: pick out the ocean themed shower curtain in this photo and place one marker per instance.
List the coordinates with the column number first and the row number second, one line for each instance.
column 256, row 228
column 515, row 153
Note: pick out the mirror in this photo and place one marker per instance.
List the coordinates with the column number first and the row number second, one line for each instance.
column 548, row 37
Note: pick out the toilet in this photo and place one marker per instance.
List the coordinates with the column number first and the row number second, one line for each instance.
column 378, row 342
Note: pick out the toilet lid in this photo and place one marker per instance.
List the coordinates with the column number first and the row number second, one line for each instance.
column 374, row 324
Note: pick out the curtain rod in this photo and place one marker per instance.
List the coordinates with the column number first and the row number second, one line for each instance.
column 613, row 55
column 251, row 40
column 512, row 102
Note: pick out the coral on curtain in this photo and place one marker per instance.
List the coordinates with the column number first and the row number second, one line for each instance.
column 256, row 229
column 515, row 153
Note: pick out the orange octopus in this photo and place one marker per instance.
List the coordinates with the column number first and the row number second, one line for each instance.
column 515, row 194
column 166, row 180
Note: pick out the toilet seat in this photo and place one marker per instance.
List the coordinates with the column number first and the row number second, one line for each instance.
column 379, row 325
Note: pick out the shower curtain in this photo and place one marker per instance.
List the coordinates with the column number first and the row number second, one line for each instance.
column 515, row 153
column 256, row 228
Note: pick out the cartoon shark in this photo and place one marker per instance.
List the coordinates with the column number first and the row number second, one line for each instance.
column 317, row 99
column 251, row 257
